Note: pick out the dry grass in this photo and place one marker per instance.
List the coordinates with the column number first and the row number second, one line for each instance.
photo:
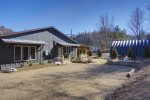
column 136, row 88
column 100, row 61
column 36, row 66
column 66, row 82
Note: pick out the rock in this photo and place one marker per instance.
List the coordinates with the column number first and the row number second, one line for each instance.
column 13, row 69
column 8, row 70
column 109, row 61
column 58, row 63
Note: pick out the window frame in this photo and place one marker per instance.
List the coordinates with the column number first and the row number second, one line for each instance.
column 28, row 54
column 15, row 53
column 34, row 53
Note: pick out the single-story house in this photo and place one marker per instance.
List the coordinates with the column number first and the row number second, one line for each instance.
column 136, row 46
column 35, row 45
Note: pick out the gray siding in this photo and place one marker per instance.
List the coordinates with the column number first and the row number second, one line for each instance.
column 48, row 36
column 6, row 52
column 7, row 56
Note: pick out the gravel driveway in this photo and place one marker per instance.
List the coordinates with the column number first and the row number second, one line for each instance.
column 66, row 82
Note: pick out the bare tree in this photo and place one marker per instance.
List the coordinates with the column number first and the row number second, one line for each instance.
column 84, row 38
column 136, row 22
column 104, row 36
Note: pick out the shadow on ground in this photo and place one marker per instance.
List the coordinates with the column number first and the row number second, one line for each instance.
column 92, row 82
column 82, row 85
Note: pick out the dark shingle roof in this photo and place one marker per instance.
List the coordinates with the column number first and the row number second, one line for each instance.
column 31, row 30
column 37, row 29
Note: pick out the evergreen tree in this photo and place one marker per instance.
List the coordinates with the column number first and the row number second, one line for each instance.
column 99, row 53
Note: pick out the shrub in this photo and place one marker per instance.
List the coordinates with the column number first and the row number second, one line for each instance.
column 89, row 53
column 41, row 62
column 130, row 53
column 58, row 59
column 89, row 60
column 21, row 65
column 146, row 52
column 30, row 63
column 50, row 61
column 76, row 60
column 99, row 53
column 114, row 53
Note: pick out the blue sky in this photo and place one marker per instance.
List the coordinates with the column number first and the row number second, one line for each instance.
column 80, row 15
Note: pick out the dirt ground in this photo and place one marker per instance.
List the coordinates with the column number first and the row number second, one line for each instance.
column 66, row 82
column 136, row 88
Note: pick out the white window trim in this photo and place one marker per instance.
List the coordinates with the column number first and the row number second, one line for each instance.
column 67, row 50
column 15, row 53
column 30, row 52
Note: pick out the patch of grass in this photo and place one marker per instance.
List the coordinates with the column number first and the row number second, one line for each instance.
column 103, row 61
column 35, row 66
column 100, row 60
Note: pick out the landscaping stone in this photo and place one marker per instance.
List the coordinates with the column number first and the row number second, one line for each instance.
column 58, row 63
column 8, row 70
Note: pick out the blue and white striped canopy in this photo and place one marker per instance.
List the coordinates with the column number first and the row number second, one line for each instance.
column 137, row 46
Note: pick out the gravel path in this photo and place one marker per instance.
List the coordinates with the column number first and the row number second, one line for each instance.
column 66, row 82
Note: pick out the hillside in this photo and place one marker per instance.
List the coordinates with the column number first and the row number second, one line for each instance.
column 136, row 88
column 5, row 31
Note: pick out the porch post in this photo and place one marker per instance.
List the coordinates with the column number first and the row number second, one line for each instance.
column 69, row 58
column 62, row 58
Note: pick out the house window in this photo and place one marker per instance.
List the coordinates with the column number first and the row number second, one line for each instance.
column 17, row 53
column 25, row 52
column 67, row 50
column 33, row 52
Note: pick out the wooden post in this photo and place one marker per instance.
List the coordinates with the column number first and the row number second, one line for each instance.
column 86, row 53
column 69, row 58
column 62, row 59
